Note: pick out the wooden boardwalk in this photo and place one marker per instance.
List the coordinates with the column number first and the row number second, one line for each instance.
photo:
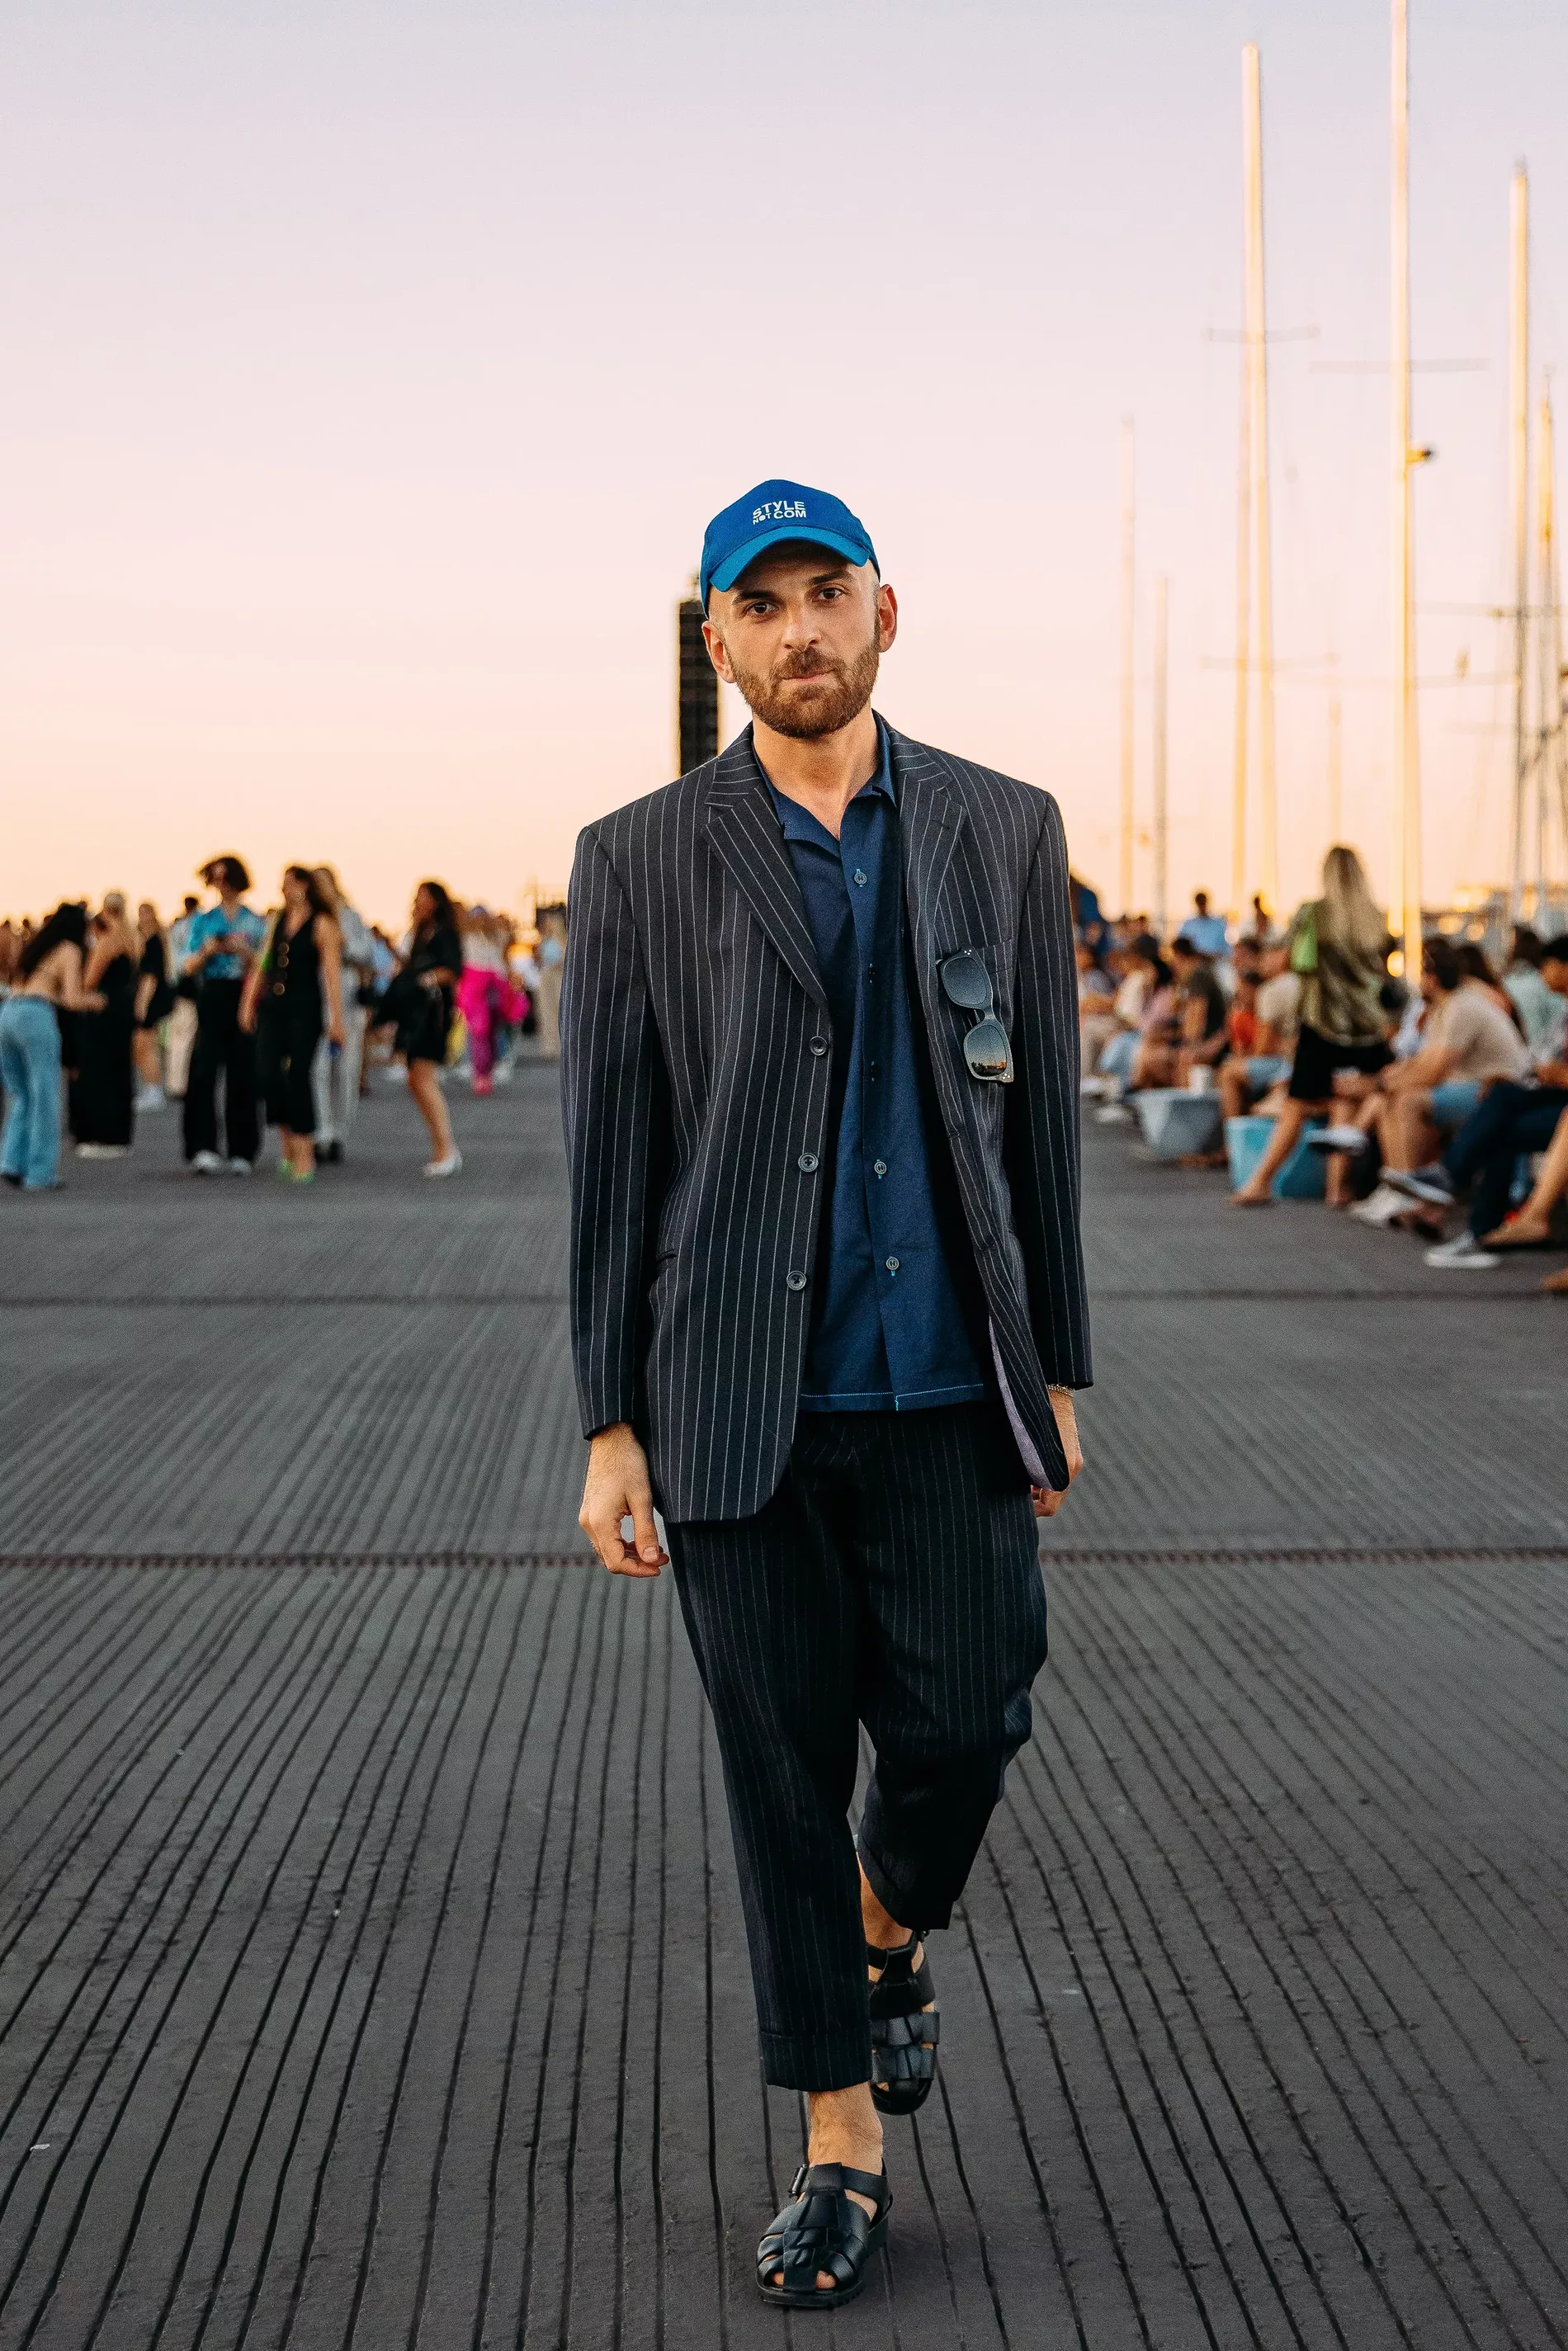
column 370, row 1968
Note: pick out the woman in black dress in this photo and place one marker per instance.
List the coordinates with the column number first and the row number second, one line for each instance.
column 104, row 1092
column 418, row 1004
column 295, row 988
column 154, row 1002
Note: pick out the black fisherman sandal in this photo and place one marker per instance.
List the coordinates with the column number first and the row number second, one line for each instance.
column 903, row 2067
column 822, row 2227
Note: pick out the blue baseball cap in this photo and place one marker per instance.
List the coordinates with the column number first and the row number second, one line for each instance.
column 767, row 517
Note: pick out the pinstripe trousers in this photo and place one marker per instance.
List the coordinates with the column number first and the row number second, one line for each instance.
column 893, row 1580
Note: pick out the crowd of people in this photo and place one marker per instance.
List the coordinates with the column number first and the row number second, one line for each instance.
column 244, row 1020
column 1439, row 1112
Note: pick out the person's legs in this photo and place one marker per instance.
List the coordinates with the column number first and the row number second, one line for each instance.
column 423, row 1084
column 1540, row 1123
column 1281, row 1143
column 1410, row 1137
column 955, row 1618
column 30, row 1064
column 241, row 1121
column 200, row 1120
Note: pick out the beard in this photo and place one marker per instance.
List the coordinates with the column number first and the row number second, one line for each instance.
column 841, row 693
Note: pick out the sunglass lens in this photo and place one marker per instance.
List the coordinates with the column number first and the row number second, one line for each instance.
column 967, row 982
column 985, row 1050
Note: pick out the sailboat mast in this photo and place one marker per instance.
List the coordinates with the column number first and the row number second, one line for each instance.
column 1549, row 690
column 1519, row 486
column 1257, row 349
column 1128, row 525
column 1404, row 877
column 1162, row 902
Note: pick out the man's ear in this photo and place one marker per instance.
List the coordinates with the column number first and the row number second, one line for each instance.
column 717, row 653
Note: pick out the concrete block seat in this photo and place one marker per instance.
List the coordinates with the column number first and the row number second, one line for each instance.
column 1303, row 1176
column 1176, row 1122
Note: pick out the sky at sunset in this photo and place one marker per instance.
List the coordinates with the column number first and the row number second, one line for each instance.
column 372, row 372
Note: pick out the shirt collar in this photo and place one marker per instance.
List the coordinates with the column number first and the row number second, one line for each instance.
column 799, row 824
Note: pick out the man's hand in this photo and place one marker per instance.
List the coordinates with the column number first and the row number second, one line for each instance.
column 617, row 1487
column 1047, row 1502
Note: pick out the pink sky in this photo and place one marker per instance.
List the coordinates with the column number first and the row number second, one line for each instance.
column 371, row 374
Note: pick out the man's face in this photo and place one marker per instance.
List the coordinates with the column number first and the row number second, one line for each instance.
column 1555, row 974
column 801, row 634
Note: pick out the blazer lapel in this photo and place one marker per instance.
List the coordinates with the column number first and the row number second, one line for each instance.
column 931, row 817
column 744, row 833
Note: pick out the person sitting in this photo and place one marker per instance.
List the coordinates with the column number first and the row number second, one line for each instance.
column 1541, row 1012
column 1470, row 1044
column 1254, row 1068
column 1512, row 1121
column 1144, row 1005
column 1194, row 1035
column 1097, row 1021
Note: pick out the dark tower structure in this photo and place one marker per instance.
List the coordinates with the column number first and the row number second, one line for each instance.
column 697, row 718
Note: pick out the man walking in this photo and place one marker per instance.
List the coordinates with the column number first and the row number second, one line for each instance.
column 820, row 1080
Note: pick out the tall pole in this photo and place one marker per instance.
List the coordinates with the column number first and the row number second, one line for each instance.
column 1549, row 671
column 1404, row 878
column 1257, row 349
column 1336, row 769
column 1162, row 902
column 1243, row 581
column 1518, row 484
column 1127, row 587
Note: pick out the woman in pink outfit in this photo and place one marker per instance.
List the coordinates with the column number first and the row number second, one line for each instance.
column 485, row 996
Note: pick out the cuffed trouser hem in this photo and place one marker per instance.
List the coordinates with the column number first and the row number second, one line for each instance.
column 910, row 1905
column 817, row 2061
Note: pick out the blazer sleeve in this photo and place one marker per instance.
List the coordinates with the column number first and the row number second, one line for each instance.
column 612, row 1072
column 1042, row 1115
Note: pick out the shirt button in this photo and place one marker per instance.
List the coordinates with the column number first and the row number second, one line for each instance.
column 879, row 1166
column 860, row 878
column 807, row 1163
column 891, row 1263
column 794, row 1282
column 819, row 1046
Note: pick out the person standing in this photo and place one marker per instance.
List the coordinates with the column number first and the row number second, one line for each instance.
column 181, row 1036
column 418, row 1007
column 550, row 958
column 293, row 991
column 103, row 1097
column 821, row 1096
column 1339, row 946
column 46, row 982
column 335, row 1077
column 154, row 1002
column 220, row 947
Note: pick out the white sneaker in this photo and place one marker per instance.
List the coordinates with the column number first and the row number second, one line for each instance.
column 1338, row 1138
column 504, row 1073
column 1380, row 1207
column 1091, row 1088
column 101, row 1150
column 1464, row 1249
column 241, row 1167
column 207, row 1163
column 1114, row 1114
column 150, row 1098
column 450, row 1165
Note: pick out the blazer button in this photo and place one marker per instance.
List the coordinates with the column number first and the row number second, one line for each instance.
column 794, row 1282
column 819, row 1046
column 807, row 1163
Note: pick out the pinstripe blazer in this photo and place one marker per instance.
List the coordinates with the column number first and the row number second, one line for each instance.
column 695, row 1042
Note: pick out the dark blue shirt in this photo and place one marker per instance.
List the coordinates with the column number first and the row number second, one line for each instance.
column 888, row 1331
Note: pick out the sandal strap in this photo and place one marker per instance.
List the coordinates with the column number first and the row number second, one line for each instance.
column 821, row 2228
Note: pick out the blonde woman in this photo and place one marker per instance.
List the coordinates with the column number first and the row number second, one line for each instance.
column 102, row 1098
column 1339, row 943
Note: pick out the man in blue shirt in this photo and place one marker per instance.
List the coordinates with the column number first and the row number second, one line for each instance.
column 1207, row 933
column 220, row 946
column 820, row 1045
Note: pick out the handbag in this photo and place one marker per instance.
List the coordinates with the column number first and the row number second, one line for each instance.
column 1304, row 944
